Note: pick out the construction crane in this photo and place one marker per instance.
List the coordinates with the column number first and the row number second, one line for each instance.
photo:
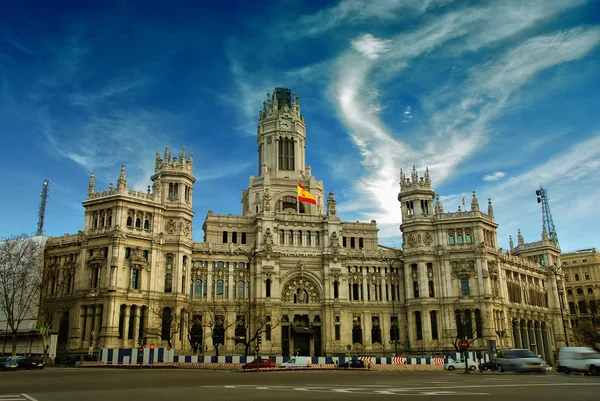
column 547, row 220
column 42, row 212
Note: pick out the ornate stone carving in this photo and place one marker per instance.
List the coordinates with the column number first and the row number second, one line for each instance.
column 411, row 240
column 267, row 200
column 268, row 241
column 331, row 202
column 355, row 277
column 374, row 278
column 171, row 226
column 334, row 243
column 220, row 274
column 428, row 239
column 463, row 269
column 138, row 254
column 300, row 290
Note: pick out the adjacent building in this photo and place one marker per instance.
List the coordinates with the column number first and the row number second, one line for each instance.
column 582, row 283
column 302, row 279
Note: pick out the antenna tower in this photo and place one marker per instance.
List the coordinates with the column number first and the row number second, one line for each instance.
column 42, row 212
column 547, row 220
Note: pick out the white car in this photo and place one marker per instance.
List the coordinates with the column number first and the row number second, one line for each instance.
column 460, row 364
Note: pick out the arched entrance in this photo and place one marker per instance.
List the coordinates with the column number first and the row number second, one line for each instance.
column 301, row 323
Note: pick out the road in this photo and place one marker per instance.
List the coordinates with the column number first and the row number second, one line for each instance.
column 93, row 384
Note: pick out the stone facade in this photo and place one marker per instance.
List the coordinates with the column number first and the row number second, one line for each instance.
column 313, row 284
column 582, row 283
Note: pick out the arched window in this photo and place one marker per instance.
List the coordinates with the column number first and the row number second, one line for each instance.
column 587, row 276
column 286, row 154
column 576, row 277
column 129, row 221
column 168, row 282
column 579, row 291
column 590, row 290
column 468, row 238
column 135, row 278
column 138, row 223
column 460, row 239
column 225, row 237
column 451, row 240
column 183, row 284
column 290, row 204
column 146, row 224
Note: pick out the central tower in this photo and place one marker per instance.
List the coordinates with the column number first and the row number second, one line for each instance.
column 281, row 136
column 281, row 139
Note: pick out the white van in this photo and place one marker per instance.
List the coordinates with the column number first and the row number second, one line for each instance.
column 297, row 362
column 578, row 359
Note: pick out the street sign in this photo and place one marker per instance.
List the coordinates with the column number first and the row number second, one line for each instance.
column 257, row 348
column 152, row 346
column 463, row 344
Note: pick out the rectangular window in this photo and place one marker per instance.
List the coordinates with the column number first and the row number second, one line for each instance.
column 243, row 238
column 338, row 333
column 361, row 243
column 431, row 289
column 234, row 237
column 434, row 326
column 336, row 289
column 135, row 279
column 416, row 289
column 352, row 243
column 418, row 326
column 344, row 244
column 464, row 287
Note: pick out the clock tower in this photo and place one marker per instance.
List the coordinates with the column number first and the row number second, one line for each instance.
column 281, row 139
column 281, row 136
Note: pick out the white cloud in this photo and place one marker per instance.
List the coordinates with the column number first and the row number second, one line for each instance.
column 370, row 46
column 462, row 126
column 495, row 176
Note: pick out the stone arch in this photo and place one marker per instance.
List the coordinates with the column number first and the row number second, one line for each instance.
column 291, row 195
column 301, row 290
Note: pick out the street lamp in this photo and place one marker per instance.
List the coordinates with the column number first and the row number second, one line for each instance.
column 250, row 255
column 394, row 280
column 561, row 292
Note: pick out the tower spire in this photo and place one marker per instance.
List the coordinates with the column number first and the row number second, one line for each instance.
column 439, row 209
column 490, row 209
column 122, row 182
column 474, row 203
column 91, row 185
column 520, row 240
column 511, row 244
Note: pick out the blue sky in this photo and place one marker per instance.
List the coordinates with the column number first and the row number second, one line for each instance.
column 497, row 97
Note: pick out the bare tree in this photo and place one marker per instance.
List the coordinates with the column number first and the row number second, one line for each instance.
column 255, row 322
column 219, row 320
column 164, row 321
column 587, row 332
column 467, row 327
column 20, row 280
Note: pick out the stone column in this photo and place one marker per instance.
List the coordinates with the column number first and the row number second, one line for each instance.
column 97, row 321
column 126, row 318
column 531, row 332
column 517, row 334
column 89, row 315
column 547, row 346
column 539, row 341
column 524, row 335
column 136, row 324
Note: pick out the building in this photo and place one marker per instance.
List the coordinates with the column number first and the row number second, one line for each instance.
column 21, row 259
column 582, row 283
column 302, row 279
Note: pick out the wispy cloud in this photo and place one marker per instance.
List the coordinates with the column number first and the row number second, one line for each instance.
column 495, row 176
column 353, row 11
column 460, row 126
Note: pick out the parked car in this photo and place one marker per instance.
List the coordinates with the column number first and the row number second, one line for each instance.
column 8, row 364
column 297, row 362
column 578, row 359
column 520, row 360
column 29, row 362
column 262, row 363
column 352, row 364
column 460, row 364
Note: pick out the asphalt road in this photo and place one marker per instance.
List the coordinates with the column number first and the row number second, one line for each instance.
column 89, row 384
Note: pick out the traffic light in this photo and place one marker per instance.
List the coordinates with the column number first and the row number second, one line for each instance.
column 145, row 340
column 259, row 339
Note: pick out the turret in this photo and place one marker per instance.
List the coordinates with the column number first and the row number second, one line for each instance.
column 173, row 179
column 416, row 195
column 474, row 203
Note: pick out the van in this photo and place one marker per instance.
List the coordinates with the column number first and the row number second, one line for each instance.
column 297, row 362
column 578, row 359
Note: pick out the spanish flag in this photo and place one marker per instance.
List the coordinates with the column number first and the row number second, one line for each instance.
column 305, row 196
column 463, row 201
